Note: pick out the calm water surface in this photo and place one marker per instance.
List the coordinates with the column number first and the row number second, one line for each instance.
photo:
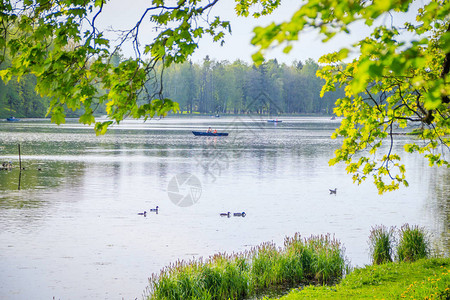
column 73, row 231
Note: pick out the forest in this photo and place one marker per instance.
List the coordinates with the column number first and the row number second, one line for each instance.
column 19, row 98
column 209, row 87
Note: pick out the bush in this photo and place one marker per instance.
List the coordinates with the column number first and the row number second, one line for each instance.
column 413, row 243
column 381, row 242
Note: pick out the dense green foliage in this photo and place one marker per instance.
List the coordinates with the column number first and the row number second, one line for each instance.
column 424, row 279
column 271, row 88
column 20, row 99
column 396, row 80
column 317, row 259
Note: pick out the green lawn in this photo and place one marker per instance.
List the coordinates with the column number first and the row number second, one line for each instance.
column 424, row 279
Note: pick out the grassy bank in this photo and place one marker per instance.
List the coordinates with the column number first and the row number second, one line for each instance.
column 314, row 264
column 423, row 279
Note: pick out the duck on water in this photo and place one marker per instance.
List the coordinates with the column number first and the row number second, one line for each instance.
column 238, row 214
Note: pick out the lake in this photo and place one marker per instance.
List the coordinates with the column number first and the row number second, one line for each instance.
column 73, row 231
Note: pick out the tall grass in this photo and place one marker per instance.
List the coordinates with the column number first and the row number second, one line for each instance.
column 328, row 262
column 316, row 259
column 265, row 267
column 221, row 277
column 381, row 241
column 413, row 243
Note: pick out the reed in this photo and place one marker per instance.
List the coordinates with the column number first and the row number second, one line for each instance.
column 221, row 277
column 241, row 275
column 413, row 243
column 381, row 244
column 328, row 262
column 265, row 266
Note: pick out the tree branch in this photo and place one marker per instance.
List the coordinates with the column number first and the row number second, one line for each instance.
column 446, row 69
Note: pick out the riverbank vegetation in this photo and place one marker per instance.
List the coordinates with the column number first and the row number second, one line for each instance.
column 312, row 265
column 318, row 259
column 413, row 244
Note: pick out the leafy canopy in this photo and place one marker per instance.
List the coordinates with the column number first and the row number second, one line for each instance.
column 59, row 42
column 390, row 84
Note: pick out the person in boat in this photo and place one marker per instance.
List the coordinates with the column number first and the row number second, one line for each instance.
column 209, row 130
column 215, row 130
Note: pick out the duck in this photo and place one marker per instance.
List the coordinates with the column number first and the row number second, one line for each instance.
column 333, row 191
column 154, row 209
column 242, row 214
column 143, row 213
column 225, row 214
column 7, row 166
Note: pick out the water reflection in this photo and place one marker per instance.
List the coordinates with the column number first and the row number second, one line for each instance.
column 438, row 207
column 79, row 213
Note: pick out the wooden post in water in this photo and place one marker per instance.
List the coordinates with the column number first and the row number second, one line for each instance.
column 20, row 178
column 20, row 167
column 20, row 159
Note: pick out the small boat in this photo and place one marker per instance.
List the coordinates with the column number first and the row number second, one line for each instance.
column 201, row 133
column 12, row 119
column 274, row 121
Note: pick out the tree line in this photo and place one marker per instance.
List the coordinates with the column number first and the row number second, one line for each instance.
column 209, row 87
column 19, row 98
column 222, row 87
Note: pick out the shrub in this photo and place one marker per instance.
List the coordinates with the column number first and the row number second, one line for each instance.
column 381, row 242
column 413, row 243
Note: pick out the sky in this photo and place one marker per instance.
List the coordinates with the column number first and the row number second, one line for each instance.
column 118, row 15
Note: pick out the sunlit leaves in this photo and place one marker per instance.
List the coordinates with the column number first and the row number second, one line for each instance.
column 58, row 115
column 72, row 61
column 387, row 89
column 102, row 127
column 390, row 85
column 259, row 7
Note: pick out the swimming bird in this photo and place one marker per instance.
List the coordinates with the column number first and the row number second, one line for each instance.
column 242, row 214
column 225, row 214
column 154, row 209
column 333, row 191
column 143, row 213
